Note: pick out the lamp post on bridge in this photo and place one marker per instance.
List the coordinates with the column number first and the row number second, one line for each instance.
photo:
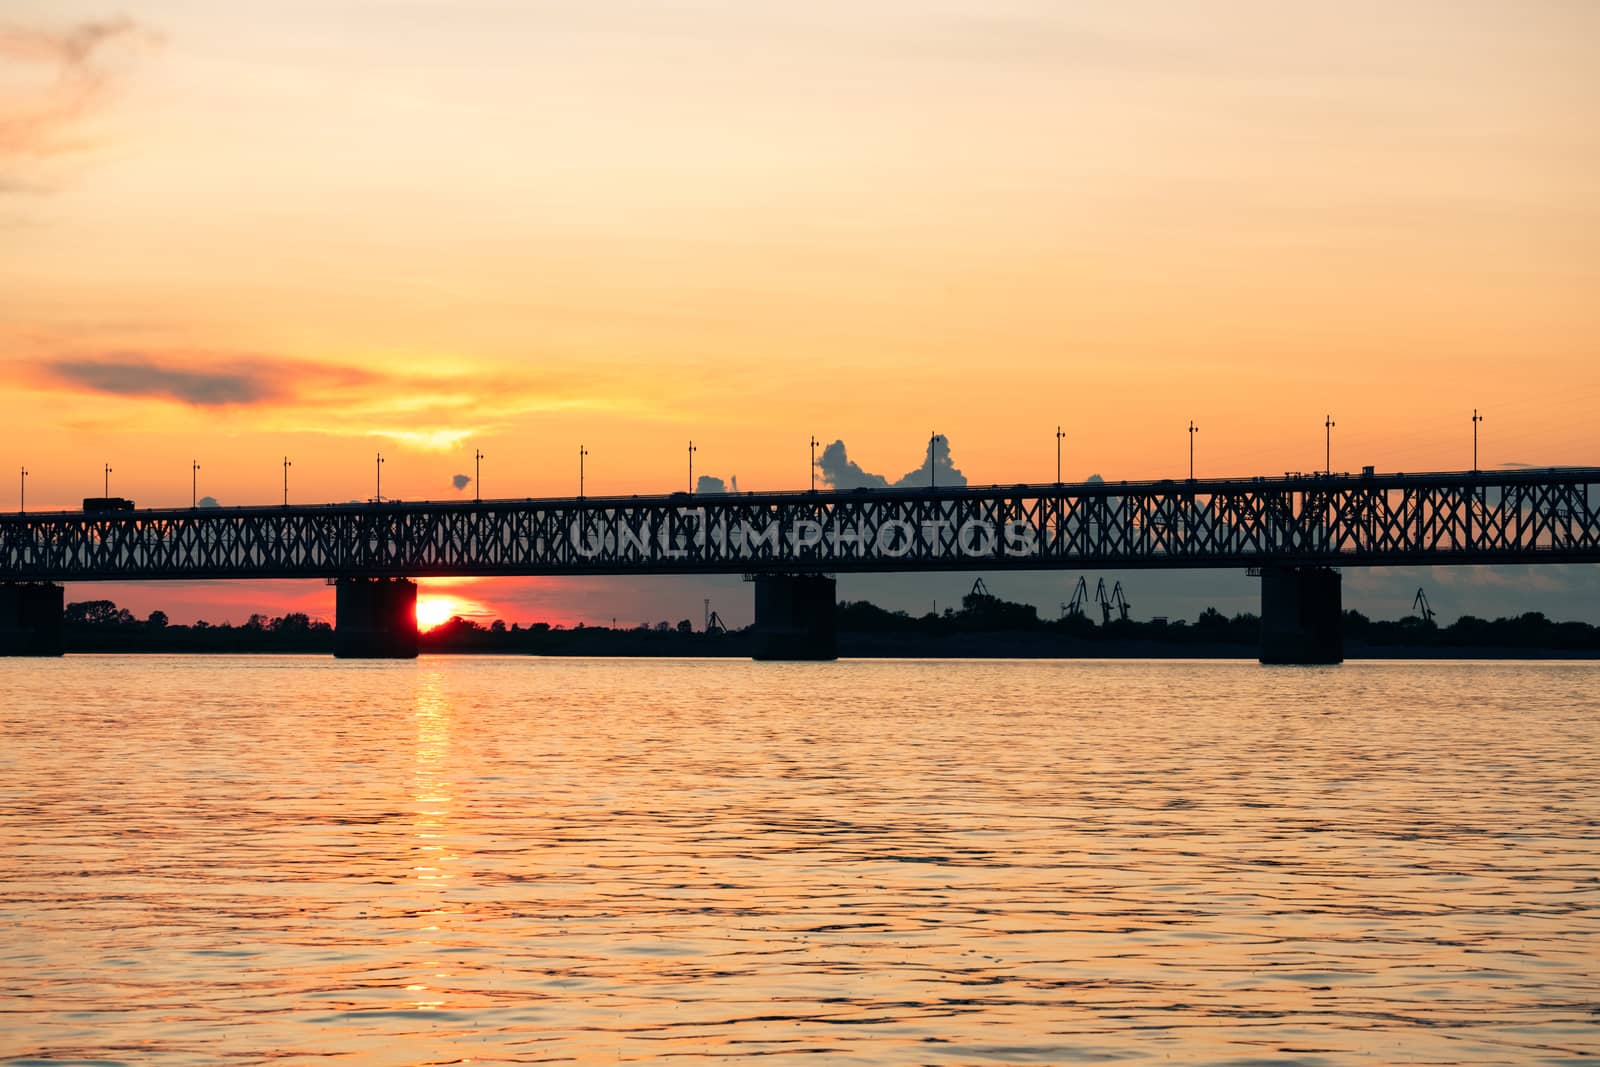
column 1059, row 436
column 108, row 480
column 194, row 483
column 1327, row 443
column 932, row 465
column 583, row 453
column 814, row 443
column 692, row 451
column 1193, row 429
column 477, row 475
column 286, row 466
column 1476, row 418
column 377, row 492
column 23, row 500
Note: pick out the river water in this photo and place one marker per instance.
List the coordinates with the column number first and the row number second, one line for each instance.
column 516, row 860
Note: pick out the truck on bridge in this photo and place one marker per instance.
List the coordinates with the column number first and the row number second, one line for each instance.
column 93, row 505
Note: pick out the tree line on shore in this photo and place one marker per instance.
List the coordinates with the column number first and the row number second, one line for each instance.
column 100, row 625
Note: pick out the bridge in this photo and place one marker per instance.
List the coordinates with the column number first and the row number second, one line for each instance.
column 1294, row 529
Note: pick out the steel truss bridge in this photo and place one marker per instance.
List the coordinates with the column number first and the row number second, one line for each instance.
column 1524, row 516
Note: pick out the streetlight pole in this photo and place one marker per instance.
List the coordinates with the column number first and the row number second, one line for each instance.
column 24, row 498
column 1327, row 442
column 932, row 467
column 583, row 454
column 286, row 466
column 692, row 451
column 814, row 444
column 1059, row 436
column 477, row 474
column 1476, row 418
column 108, row 480
column 194, row 483
column 1193, row 429
column 378, row 491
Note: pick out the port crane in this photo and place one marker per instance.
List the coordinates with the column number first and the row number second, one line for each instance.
column 1073, row 608
column 1420, row 605
column 1115, row 599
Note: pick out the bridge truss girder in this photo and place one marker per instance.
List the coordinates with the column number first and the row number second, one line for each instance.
column 1532, row 516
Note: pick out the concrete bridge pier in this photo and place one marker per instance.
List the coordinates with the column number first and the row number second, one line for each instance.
column 375, row 618
column 30, row 619
column 1302, row 615
column 795, row 617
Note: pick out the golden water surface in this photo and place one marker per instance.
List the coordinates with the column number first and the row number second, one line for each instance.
column 298, row 860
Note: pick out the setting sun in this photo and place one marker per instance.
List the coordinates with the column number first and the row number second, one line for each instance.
column 435, row 610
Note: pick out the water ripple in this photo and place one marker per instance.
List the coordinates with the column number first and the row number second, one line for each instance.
column 285, row 859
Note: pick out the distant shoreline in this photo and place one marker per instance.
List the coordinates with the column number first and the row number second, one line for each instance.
column 986, row 627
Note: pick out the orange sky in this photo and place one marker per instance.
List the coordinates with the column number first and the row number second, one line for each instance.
column 328, row 227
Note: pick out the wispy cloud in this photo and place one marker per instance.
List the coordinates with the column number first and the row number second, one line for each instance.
column 236, row 381
column 433, row 440
column 430, row 411
column 135, row 375
column 57, row 77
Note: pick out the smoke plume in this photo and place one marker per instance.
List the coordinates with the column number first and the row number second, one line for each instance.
column 840, row 472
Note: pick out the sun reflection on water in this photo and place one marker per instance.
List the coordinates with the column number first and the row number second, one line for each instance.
column 432, row 793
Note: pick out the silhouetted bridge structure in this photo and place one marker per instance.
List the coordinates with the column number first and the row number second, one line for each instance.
column 1295, row 529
